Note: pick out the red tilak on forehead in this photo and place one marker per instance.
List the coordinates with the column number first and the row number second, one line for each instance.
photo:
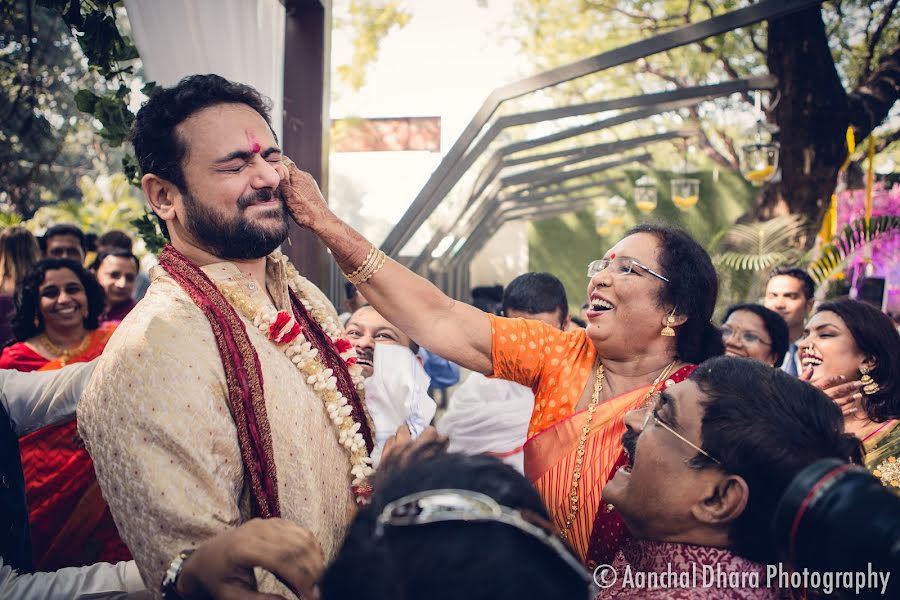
column 612, row 256
column 254, row 145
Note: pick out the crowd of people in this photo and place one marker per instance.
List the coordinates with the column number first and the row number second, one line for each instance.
column 237, row 438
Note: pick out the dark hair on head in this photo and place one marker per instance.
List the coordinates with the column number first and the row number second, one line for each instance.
column 116, row 239
column 809, row 286
column 765, row 426
column 875, row 336
column 157, row 147
column 27, row 297
column 444, row 561
column 349, row 290
column 117, row 252
column 488, row 298
column 692, row 290
column 62, row 229
column 775, row 326
column 18, row 251
column 536, row 293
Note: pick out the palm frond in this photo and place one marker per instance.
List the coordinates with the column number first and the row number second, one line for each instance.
column 854, row 236
column 740, row 261
column 774, row 235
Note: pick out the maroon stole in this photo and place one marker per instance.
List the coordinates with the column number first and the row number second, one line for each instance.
column 243, row 375
column 316, row 336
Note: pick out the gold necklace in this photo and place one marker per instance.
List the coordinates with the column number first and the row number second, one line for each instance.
column 579, row 454
column 64, row 354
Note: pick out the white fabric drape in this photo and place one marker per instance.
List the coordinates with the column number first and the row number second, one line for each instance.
column 241, row 40
column 397, row 393
column 489, row 416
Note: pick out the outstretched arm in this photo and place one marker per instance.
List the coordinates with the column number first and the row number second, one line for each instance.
column 41, row 398
column 451, row 329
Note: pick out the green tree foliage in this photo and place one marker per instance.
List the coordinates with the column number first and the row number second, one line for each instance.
column 107, row 202
column 46, row 144
column 370, row 21
column 861, row 37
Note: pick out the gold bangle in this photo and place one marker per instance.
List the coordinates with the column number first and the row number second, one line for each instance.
column 367, row 268
column 382, row 258
column 362, row 265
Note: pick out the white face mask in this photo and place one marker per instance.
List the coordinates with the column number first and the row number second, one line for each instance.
column 397, row 394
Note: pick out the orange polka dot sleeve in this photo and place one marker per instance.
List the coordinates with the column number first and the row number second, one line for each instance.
column 554, row 364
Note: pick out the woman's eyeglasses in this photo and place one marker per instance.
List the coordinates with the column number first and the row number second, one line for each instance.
column 622, row 265
column 747, row 337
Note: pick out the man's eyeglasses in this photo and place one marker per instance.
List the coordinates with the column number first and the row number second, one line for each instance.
column 622, row 265
column 466, row 506
column 747, row 337
column 652, row 410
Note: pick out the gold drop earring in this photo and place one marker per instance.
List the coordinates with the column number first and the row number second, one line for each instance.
column 870, row 386
column 667, row 330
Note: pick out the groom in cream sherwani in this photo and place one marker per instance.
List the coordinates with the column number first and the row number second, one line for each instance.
column 200, row 415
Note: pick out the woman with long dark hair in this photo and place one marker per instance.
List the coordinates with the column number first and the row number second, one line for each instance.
column 857, row 342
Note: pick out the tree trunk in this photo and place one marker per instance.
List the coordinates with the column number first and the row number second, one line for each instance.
column 812, row 113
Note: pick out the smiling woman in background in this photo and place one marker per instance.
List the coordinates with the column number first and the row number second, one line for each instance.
column 858, row 343
column 754, row 331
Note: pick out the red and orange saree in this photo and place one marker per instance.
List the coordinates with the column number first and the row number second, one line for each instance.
column 70, row 523
column 556, row 365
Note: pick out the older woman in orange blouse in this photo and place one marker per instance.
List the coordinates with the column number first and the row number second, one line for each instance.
column 651, row 299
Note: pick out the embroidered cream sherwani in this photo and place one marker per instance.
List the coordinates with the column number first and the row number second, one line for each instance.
column 156, row 421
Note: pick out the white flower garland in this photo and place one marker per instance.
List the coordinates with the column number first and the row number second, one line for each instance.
column 296, row 347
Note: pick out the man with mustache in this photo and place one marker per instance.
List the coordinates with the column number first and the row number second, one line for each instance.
column 396, row 383
column 227, row 394
column 365, row 328
column 709, row 460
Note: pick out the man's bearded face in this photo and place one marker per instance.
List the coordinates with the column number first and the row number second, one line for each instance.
column 239, row 237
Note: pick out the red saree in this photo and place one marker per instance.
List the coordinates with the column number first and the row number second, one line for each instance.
column 71, row 525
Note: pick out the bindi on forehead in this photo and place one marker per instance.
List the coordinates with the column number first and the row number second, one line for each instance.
column 255, row 146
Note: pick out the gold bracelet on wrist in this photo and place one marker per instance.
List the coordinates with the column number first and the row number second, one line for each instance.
column 381, row 258
column 372, row 265
column 362, row 265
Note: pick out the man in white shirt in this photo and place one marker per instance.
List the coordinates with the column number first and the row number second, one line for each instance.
column 790, row 292
column 491, row 415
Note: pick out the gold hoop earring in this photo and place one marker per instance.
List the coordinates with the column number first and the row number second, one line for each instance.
column 667, row 330
column 870, row 386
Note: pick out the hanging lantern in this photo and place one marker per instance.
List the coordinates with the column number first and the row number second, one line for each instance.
column 685, row 192
column 759, row 162
column 601, row 221
column 645, row 194
column 617, row 208
column 759, row 159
